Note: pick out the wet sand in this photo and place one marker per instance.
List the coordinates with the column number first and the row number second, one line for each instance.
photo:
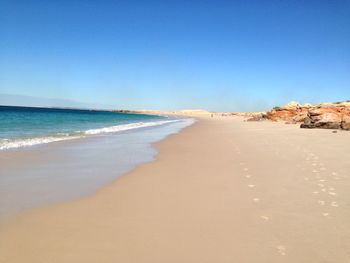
column 67, row 170
column 222, row 190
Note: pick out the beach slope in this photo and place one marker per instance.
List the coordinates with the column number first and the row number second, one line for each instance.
column 222, row 190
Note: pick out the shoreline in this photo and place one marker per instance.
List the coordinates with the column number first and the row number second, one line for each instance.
column 221, row 190
column 48, row 174
column 26, row 142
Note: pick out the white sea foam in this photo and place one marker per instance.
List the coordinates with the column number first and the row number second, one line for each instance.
column 126, row 127
column 6, row 144
column 18, row 143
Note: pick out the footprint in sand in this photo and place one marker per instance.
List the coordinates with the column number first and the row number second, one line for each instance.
column 321, row 202
column 335, row 204
column 281, row 250
column 266, row 218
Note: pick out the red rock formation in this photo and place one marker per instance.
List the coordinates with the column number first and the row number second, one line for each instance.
column 256, row 116
column 327, row 115
column 293, row 112
column 345, row 125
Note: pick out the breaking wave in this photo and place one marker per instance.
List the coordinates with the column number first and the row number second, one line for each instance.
column 6, row 144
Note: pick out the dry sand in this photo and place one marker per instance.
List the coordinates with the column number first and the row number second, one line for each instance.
column 222, row 190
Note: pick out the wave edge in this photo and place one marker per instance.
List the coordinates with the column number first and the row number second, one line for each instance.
column 6, row 144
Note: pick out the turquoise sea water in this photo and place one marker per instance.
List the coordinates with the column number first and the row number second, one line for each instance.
column 26, row 126
column 57, row 172
column 100, row 146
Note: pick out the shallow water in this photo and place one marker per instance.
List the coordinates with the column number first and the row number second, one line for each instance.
column 27, row 126
column 61, row 171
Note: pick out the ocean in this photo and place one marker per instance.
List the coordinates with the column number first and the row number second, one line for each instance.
column 27, row 126
column 49, row 156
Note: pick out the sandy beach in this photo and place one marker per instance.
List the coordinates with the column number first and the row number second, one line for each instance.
column 222, row 190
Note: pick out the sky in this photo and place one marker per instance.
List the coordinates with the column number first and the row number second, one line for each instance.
column 215, row 55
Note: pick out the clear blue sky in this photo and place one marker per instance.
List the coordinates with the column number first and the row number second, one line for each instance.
column 218, row 55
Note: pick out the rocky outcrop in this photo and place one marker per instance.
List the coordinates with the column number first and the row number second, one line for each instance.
column 322, row 120
column 335, row 116
column 345, row 124
column 293, row 112
column 256, row 116
column 325, row 115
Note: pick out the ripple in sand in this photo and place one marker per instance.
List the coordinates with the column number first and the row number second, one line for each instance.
column 248, row 176
column 245, row 169
column 332, row 193
column 325, row 214
column 251, row 185
column 321, row 202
